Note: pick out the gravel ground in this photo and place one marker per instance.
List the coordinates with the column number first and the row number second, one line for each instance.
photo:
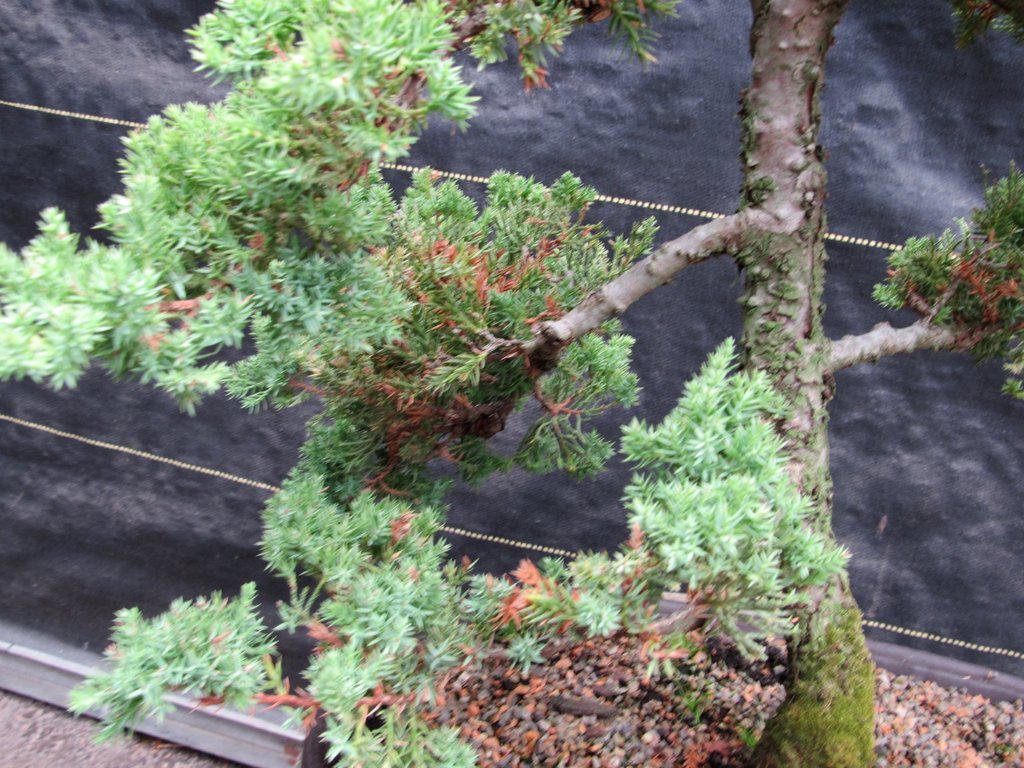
column 34, row 735
column 924, row 725
column 591, row 707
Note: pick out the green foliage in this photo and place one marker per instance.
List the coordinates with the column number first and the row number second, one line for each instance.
column 306, row 533
column 595, row 594
column 245, row 209
column 471, row 284
column 628, row 20
column 260, row 209
column 385, row 609
column 399, row 741
column 976, row 17
column 359, row 517
column 212, row 647
column 717, row 508
column 63, row 306
column 714, row 508
column 525, row 650
column 969, row 279
column 539, row 28
column 266, row 215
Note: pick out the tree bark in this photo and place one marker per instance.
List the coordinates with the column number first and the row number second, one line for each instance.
column 723, row 235
column 827, row 720
column 884, row 340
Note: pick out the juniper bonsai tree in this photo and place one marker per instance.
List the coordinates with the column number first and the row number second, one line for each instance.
column 424, row 324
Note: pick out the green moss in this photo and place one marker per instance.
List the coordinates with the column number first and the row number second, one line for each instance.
column 757, row 191
column 828, row 718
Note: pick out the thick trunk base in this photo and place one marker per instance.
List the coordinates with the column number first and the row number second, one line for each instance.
column 827, row 720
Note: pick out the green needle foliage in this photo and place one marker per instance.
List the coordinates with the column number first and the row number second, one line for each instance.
column 258, row 210
column 969, row 279
column 712, row 507
column 717, row 508
column 458, row 289
column 222, row 200
column 265, row 216
column 539, row 29
column 212, row 647
column 976, row 17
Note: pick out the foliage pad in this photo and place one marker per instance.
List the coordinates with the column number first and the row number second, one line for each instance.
column 969, row 279
column 212, row 647
column 717, row 508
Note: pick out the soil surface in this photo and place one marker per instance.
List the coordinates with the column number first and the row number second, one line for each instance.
column 34, row 735
column 924, row 725
column 594, row 705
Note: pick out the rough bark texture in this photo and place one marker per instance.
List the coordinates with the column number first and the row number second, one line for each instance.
column 828, row 718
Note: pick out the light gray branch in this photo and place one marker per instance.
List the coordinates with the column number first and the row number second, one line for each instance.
column 884, row 340
column 679, row 613
column 724, row 235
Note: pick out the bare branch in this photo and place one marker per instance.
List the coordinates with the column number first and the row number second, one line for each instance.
column 884, row 340
column 679, row 612
column 724, row 235
column 471, row 25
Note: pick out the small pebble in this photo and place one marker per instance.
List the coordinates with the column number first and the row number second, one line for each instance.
column 705, row 717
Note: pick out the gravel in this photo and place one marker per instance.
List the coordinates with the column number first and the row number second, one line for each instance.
column 924, row 725
column 593, row 706
column 34, row 735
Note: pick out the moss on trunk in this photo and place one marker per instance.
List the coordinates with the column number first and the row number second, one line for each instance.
column 827, row 719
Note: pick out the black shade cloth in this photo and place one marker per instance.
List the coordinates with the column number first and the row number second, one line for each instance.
column 927, row 453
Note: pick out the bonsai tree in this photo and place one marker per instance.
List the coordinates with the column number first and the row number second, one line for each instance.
column 427, row 324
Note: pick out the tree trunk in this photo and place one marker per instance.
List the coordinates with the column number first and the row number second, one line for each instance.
column 314, row 749
column 827, row 720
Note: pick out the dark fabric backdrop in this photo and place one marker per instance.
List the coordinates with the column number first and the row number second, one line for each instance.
column 927, row 453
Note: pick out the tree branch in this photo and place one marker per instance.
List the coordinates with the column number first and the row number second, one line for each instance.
column 471, row 25
column 724, row 235
column 884, row 340
column 679, row 612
